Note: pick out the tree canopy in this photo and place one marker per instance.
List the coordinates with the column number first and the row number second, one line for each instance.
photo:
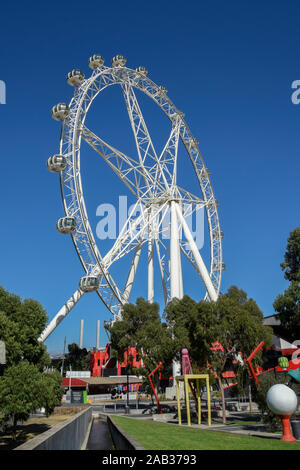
column 216, row 333
column 288, row 303
column 291, row 263
column 234, row 321
column 21, row 323
column 141, row 327
column 24, row 386
column 78, row 358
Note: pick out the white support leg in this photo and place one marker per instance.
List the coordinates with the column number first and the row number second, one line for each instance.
column 198, row 258
column 63, row 312
column 174, row 254
column 150, row 271
column 165, row 290
column 150, row 259
column 132, row 272
column 180, row 275
column 175, row 270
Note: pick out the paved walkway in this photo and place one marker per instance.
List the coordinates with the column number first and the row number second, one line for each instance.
column 246, row 430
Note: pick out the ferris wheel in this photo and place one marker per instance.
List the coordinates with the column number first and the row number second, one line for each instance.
column 151, row 177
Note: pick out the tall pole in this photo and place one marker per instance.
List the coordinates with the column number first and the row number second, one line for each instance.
column 175, row 270
column 150, row 263
column 98, row 336
column 63, row 361
column 81, row 334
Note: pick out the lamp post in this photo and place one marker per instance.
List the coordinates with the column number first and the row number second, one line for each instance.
column 127, row 394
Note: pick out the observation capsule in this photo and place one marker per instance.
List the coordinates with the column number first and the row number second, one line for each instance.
column 96, row 61
column 75, row 77
column 142, row 70
column 66, row 225
column 118, row 61
column 56, row 163
column 89, row 283
column 60, row 111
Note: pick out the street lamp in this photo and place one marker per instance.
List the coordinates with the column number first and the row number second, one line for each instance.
column 127, row 395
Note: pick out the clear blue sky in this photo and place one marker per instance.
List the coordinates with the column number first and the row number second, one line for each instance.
column 228, row 65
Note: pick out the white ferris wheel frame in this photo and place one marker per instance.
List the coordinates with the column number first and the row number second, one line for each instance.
column 152, row 180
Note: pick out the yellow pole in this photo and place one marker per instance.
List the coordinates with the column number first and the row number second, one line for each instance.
column 187, row 400
column 178, row 400
column 199, row 400
column 208, row 401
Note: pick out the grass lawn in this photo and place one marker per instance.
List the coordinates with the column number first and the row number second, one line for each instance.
column 161, row 436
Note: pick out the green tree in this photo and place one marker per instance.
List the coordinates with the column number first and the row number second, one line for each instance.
column 234, row 321
column 141, row 327
column 24, row 386
column 21, row 323
column 288, row 307
column 51, row 391
column 23, row 389
column 291, row 263
column 77, row 358
column 288, row 303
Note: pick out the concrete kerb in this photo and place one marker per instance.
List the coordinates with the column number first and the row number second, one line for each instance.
column 68, row 435
column 122, row 440
column 87, row 434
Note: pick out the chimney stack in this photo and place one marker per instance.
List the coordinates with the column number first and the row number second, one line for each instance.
column 81, row 334
column 98, row 336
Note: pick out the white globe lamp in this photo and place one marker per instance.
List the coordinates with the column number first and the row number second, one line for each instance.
column 282, row 400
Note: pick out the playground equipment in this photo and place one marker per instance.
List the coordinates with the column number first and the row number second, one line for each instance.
column 282, row 400
column 152, row 177
column 193, row 382
column 152, row 386
column 291, row 367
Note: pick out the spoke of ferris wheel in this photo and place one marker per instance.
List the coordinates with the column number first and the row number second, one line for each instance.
column 187, row 197
column 144, row 145
column 167, row 162
column 110, row 154
column 116, row 160
column 197, row 257
column 130, row 236
column 123, row 165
